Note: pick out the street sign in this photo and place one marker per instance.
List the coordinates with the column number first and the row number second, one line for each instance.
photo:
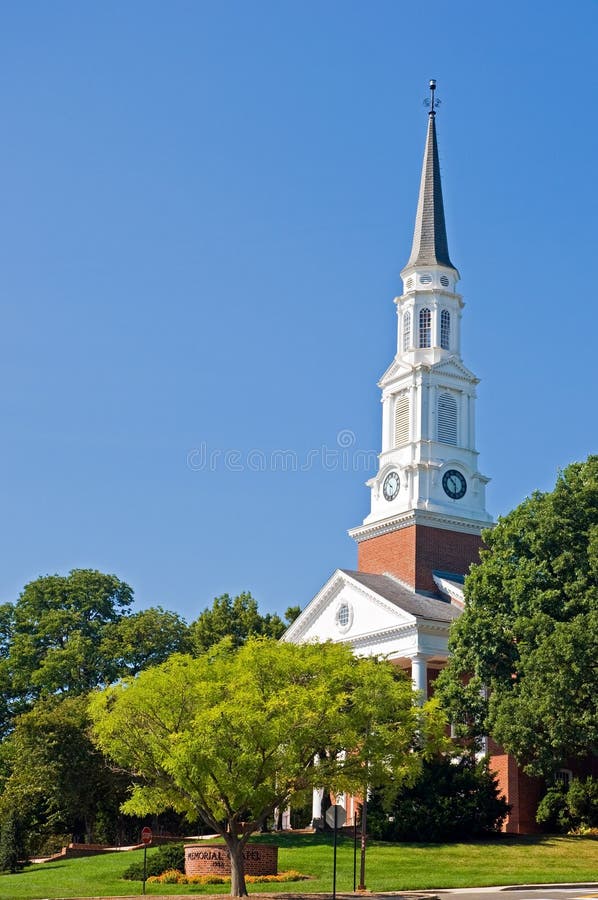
column 341, row 816
column 146, row 835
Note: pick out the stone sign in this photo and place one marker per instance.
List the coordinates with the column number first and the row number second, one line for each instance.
column 214, row 859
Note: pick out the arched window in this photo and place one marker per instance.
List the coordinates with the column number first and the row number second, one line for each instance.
column 425, row 327
column 445, row 329
column 406, row 330
column 447, row 419
column 402, row 419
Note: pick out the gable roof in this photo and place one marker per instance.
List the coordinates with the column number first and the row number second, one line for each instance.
column 409, row 601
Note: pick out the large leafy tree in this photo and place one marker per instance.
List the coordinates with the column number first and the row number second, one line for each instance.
column 524, row 653
column 228, row 736
column 64, row 636
column 236, row 618
column 67, row 634
column 56, row 780
column 55, row 643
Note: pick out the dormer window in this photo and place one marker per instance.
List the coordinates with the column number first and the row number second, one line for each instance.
column 425, row 328
column 406, row 331
column 445, row 329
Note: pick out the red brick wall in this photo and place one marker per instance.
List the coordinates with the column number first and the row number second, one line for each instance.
column 522, row 792
column 413, row 553
column 393, row 552
column 213, row 859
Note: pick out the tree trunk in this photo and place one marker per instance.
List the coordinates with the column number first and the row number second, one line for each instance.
column 237, row 865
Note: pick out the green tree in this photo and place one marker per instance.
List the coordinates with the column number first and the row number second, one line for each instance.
column 230, row 735
column 11, row 840
column 570, row 807
column 452, row 799
column 292, row 613
column 55, row 644
column 64, row 636
column 58, row 779
column 144, row 639
column 68, row 634
column 235, row 618
column 528, row 638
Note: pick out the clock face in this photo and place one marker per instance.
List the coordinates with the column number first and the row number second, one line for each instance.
column 391, row 485
column 454, row 484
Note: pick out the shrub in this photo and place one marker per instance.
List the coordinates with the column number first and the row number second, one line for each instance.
column 169, row 856
column 574, row 808
column 11, row 841
column 452, row 799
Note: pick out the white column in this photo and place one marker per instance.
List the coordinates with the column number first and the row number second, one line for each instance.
column 316, row 806
column 419, row 675
column 471, row 443
column 414, row 415
column 387, row 442
column 425, row 432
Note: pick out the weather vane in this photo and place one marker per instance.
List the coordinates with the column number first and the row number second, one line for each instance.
column 431, row 101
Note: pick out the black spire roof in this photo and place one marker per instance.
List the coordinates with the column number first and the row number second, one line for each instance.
column 430, row 246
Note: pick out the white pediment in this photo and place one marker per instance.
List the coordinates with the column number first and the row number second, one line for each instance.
column 365, row 611
column 396, row 369
column 453, row 368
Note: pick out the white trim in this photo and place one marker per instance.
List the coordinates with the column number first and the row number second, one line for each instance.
column 419, row 517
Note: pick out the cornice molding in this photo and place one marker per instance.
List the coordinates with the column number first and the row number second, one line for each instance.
column 418, row 517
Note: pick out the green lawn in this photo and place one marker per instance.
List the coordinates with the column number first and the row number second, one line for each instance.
column 389, row 867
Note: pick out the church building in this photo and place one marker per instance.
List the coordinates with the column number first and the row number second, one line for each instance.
column 428, row 506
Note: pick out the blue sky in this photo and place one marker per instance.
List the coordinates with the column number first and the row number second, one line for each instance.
column 204, row 211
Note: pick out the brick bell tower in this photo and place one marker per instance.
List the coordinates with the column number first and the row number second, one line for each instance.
column 428, row 504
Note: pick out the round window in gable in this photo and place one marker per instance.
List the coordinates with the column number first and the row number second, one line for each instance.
column 344, row 616
column 444, row 281
column 425, row 279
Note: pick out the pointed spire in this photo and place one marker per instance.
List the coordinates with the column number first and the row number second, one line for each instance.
column 430, row 246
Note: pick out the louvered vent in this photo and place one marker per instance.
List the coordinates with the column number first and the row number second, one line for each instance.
column 444, row 281
column 409, row 284
column 402, row 420
column 447, row 419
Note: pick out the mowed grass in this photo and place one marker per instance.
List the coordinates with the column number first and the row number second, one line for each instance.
column 390, row 867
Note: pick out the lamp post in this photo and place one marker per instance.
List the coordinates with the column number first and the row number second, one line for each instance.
column 364, row 809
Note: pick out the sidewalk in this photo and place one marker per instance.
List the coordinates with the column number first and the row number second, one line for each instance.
column 379, row 895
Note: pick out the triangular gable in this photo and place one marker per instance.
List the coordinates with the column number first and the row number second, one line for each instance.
column 366, row 612
column 396, row 369
column 454, row 368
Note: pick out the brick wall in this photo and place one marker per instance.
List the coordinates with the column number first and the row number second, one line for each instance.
column 413, row 553
column 522, row 792
column 214, row 859
column 393, row 552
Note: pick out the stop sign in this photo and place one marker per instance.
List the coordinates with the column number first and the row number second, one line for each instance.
column 336, row 816
column 146, row 835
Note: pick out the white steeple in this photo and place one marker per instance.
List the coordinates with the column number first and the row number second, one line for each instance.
column 428, row 470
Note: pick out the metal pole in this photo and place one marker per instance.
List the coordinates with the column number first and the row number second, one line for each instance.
column 144, row 866
column 363, row 839
column 354, row 846
column 334, row 863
